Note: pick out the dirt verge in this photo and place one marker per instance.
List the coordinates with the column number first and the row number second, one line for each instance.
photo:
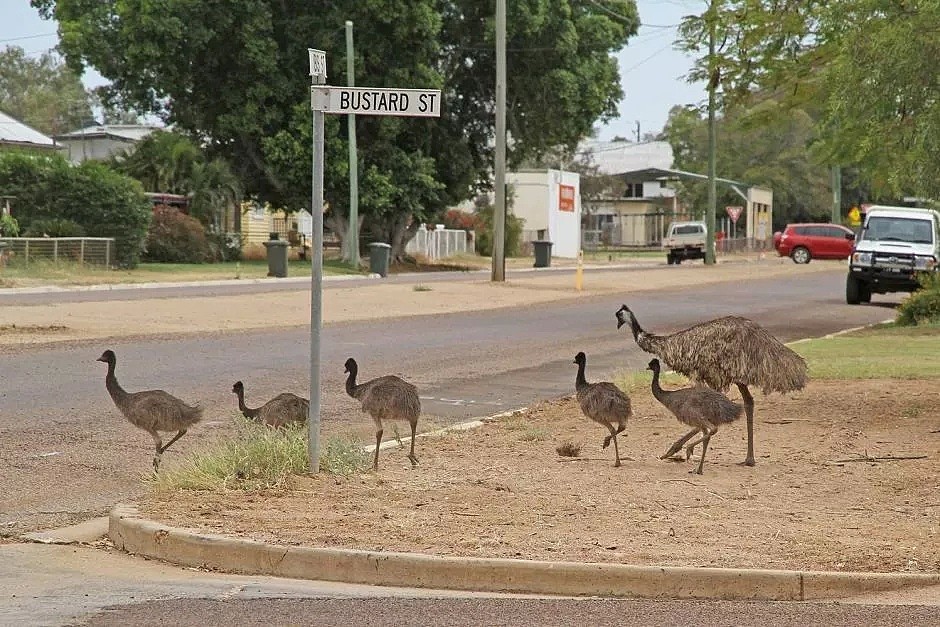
column 502, row 490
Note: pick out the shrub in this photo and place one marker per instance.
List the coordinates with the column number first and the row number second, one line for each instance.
column 55, row 227
column 224, row 246
column 513, row 233
column 9, row 227
column 923, row 306
column 457, row 219
column 103, row 202
column 175, row 237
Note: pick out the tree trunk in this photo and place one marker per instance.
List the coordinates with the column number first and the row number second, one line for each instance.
column 339, row 224
column 396, row 231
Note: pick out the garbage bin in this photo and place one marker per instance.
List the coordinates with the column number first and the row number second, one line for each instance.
column 379, row 254
column 277, row 257
column 543, row 253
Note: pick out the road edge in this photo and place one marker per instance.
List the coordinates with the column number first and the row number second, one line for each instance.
column 138, row 536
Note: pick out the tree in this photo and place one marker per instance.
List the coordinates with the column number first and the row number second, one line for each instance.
column 866, row 65
column 172, row 163
column 761, row 144
column 42, row 92
column 238, row 77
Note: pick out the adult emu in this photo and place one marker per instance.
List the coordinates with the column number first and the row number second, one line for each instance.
column 722, row 352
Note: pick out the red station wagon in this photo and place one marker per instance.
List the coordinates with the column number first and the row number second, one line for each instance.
column 803, row 242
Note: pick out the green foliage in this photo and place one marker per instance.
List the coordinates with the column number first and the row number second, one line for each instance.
column 42, row 92
column 175, row 237
column 104, row 202
column 484, row 235
column 238, row 78
column 763, row 144
column 9, row 226
column 224, row 246
column 862, row 67
column 923, row 306
column 55, row 227
column 344, row 457
column 878, row 353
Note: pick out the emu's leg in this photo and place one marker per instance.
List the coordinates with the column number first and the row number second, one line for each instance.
column 411, row 455
column 678, row 444
column 158, row 450
column 749, row 410
column 690, row 447
column 378, row 441
column 705, row 438
column 176, row 437
column 616, row 451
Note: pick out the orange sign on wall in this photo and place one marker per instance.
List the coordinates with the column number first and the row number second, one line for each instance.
column 566, row 198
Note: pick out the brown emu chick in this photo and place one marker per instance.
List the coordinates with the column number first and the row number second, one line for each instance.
column 280, row 411
column 385, row 398
column 151, row 410
column 700, row 407
column 604, row 403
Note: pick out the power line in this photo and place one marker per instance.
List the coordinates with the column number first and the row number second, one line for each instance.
column 641, row 62
column 3, row 41
column 611, row 12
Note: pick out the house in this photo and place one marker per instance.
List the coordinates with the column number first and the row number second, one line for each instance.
column 637, row 210
column 549, row 201
column 640, row 203
column 258, row 221
column 14, row 135
column 102, row 141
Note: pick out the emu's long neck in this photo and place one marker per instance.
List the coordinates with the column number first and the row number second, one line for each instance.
column 351, row 387
column 647, row 341
column 580, row 382
column 248, row 412
column 114, row 388
column 658, row 391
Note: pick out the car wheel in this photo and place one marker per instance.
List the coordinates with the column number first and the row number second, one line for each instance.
column 800, row 254
column 669, row 260
column 865, row 293
column 854, row 289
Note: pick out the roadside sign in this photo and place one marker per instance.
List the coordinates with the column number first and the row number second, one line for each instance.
column 317, row 63
column 377, row 101
column 734, row 213
column 566, row 198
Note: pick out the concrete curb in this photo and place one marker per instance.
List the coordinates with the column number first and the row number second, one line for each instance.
column 81, row 533
column 138, row 536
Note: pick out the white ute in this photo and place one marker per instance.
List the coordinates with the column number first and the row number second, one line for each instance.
column 684, row 240
column 896, row 244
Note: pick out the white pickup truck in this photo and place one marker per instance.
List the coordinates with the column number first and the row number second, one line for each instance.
column 684, row 240
column 895, row 245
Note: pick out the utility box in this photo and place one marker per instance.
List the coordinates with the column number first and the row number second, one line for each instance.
column 379, row 256
column 543, row 253
column 277, row 256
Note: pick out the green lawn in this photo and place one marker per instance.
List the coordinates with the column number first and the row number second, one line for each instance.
column 884, row 352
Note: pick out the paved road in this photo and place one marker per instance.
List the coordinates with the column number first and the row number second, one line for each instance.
column 65, row 453
column 57, row 585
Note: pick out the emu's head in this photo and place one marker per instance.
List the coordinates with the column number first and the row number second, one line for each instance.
column 107, row 357
column 351, row 366
column 238, row 388
column 653, row 365
column 580, row 358
column 622, row 314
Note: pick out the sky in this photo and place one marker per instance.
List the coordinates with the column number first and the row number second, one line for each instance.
column 651, row 70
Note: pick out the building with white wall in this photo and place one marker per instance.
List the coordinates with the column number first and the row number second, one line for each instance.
column 550, row 203
column 102, row 141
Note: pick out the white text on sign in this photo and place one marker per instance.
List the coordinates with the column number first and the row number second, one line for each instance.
column 375, row 101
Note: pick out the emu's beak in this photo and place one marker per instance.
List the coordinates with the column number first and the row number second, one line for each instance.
column 620, row 319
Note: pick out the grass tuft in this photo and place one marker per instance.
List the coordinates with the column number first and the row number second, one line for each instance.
column 568, row 449
column 258, row 458
column 421, row 288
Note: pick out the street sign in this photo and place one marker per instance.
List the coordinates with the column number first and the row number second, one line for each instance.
column 734, row 213
column 376, row 101
column 317, row 63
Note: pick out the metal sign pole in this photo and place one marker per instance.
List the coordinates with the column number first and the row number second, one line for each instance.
column 317, row 77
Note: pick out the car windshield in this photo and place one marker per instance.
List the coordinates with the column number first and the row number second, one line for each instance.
column 885, row 229
column 687, row 229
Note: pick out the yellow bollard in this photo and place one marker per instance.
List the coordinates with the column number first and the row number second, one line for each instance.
column 579, row 273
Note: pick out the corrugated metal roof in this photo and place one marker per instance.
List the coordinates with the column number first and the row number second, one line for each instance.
column 13, row 131
column 130, row 132
column 620, row 157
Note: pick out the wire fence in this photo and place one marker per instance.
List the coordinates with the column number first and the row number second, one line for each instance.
column 83, row 250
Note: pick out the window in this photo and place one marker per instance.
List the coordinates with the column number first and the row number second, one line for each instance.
column 633, row 190
column 884, row 228
column 687, row 229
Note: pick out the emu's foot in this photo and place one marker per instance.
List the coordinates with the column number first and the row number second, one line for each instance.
column 617, row 464
column 414, row 460
column 606, row 442
column 156, row 463
column 695, row 471
column 688, row 452
column 671, row 456
column 748, row 462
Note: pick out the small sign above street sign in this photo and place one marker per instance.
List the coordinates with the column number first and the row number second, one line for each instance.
column 734, row 213
column 377, row 101
column 317, row 63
